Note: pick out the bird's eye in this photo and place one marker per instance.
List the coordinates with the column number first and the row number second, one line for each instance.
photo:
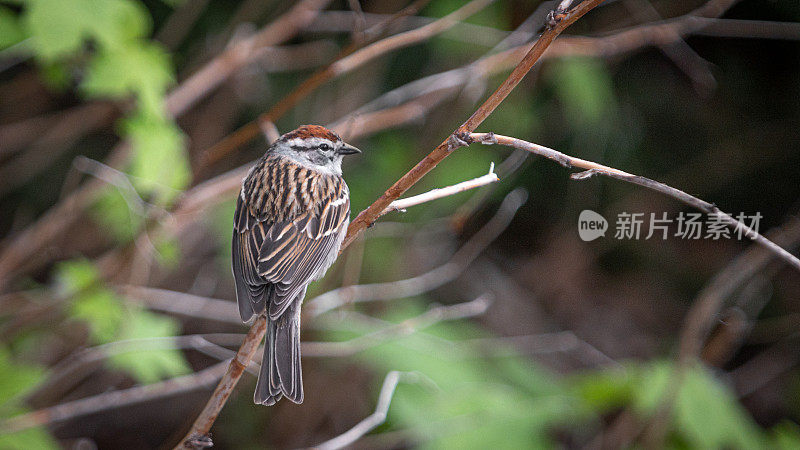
column 324, row 147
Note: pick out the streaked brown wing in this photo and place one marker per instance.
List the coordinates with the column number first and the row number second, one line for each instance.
column 251, row 288
column 293, row 252
column 273, row 262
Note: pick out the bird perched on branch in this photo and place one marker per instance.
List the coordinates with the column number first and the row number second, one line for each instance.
column 291, row 217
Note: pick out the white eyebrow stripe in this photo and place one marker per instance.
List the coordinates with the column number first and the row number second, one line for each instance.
column 309, row 142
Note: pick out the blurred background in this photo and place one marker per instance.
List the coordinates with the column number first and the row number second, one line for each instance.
column 127, row 125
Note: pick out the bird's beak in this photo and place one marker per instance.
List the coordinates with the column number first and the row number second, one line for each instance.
column 347, row 149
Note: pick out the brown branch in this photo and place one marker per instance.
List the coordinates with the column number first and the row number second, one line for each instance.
column 593, row 168
column 431, row 279
column 202, row 425
column 343, row 65
column 239, row 54
column 368, row 216
column 703, row 310
column 244, row 355
column 115, row 399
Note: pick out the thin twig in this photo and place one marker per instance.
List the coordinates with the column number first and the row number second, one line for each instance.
column 369, row 215
column 374, row 419
column 115, row 399
column 435, row 194
column 593, row 168
column 338, row 68
column 182, row 303
column 64, row 376
column 409, row 326
column 429, row 280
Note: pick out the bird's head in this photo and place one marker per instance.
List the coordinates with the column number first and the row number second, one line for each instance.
column 315, row 147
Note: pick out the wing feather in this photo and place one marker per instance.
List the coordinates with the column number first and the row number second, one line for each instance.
column 274, row 260
column 311, row 250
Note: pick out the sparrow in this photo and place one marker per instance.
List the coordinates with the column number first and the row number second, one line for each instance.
column 291, row 218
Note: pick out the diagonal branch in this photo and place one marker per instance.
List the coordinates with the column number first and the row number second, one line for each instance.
column 369, row 215
column 205, row 420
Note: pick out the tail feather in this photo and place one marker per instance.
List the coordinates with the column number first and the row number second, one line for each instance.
column 281, row 370
column 267, row 393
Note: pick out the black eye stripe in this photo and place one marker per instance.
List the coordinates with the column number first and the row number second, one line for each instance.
column 302, row 148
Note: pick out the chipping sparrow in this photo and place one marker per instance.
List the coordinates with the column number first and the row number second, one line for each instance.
column 291, row 217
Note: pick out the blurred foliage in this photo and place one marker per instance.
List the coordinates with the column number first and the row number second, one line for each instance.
column 110, row 319
column 468, row 397
column 17, row 378
column 464, row 399
column 150, row 365
column 109, row 40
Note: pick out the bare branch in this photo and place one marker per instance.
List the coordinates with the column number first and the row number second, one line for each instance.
column 368, row 216
column 429, row 280
column 182, row 303
column 115, row 399
column 435, row 194
column 599, row 169
column 374, row 419
column 409, row 326
column 225, row 387
column 337, row 68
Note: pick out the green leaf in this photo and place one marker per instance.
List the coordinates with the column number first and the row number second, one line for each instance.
column 159, row 163
column 150, row 365
column 55, row 74
column 476, row 401
column 111, row 210
column 706, row 413
column 10, row 30
column 16, row 378
column 786, row 436
column 142, row 69
column 174, row 3
column 75, row 275
column 603, row 391
column 60, row 27
column 102, row 311
column 709, row 415
column 168, row 253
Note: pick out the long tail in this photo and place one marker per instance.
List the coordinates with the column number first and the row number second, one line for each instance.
column 281, row 371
